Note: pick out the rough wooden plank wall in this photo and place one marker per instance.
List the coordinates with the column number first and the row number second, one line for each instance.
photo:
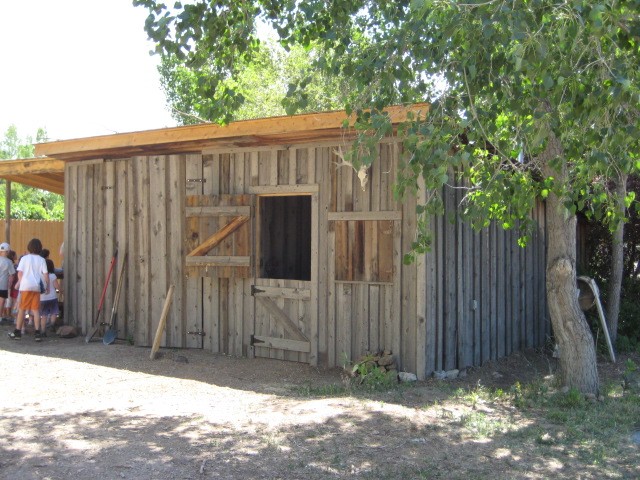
column 142, row 249
column 176, row 188
column 318, row 171
column 193, row 293
column 481, row 295
column 236, row 171
column 122, row 229
column 71, row 235
column 158, row 236
column 138, row 200
column 485, row 294
column 364, row 278
column 87, row 271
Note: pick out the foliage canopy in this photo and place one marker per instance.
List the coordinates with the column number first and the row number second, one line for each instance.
column 263, row 84
column 503, row 77
column 27, row 203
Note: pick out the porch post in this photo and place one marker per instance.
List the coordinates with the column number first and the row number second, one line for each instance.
column 7, row 213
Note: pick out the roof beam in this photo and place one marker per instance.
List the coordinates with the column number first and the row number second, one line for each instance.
column 182, row 139
column 23, row 166
column 44, row 173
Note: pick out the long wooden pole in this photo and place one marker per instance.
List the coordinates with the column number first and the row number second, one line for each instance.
column 7, row 212
column 163, row 320
column 116, row 299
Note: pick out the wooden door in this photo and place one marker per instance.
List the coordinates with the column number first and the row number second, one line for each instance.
column 285, row 283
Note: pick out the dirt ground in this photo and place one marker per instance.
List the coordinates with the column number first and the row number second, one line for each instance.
column 90, row 411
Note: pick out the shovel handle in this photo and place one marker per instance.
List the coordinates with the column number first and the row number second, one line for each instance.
column 106, row 283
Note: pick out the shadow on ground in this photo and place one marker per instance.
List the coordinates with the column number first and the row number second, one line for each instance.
column 112, row 446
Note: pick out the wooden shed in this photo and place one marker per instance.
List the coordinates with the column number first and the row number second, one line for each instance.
column 276, row 250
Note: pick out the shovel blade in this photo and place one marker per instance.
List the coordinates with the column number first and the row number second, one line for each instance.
column 109, row 336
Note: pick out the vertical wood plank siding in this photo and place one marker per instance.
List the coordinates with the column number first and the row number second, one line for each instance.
column 475, row 297
column 135, row 206
column 490, row 289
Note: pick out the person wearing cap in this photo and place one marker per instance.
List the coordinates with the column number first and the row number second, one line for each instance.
column 7, row 271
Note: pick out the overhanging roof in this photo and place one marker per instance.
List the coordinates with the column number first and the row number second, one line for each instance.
column 44, row 173
column 193, row 138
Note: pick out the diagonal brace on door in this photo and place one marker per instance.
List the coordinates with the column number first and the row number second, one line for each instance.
column 218, row 237
column 282, row 318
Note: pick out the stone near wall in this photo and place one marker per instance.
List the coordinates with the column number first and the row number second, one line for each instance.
column 407, row 377
column 67, row 331
column 386, row 360
column 382, row 361
column 451, row 374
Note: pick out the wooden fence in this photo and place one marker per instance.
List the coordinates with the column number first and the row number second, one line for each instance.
column 50, row 233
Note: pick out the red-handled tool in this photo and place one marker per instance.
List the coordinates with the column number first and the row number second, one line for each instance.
column 96, row 322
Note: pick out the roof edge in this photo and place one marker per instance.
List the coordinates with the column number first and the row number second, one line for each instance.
column 23, row 166
column 261, row 128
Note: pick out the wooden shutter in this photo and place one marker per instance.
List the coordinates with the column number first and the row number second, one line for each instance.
column 219, row 235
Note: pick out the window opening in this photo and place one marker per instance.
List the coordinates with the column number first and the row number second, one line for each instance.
column 285, row 237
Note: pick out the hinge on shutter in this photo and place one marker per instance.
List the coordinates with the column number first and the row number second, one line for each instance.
column 107, row 187
column 197, row 332
column 197, row 180
column 254, row 340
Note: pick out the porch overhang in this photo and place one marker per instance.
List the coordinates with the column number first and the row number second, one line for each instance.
column 44, row 173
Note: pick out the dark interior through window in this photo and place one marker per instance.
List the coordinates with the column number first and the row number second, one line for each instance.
column 285, row 237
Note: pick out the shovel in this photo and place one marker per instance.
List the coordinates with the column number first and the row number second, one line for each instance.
column 96, row 324
column 110, row 335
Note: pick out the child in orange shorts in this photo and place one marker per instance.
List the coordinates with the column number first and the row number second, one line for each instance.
column 33, row 279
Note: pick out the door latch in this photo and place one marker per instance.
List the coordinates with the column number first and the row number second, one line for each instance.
column 197, row 332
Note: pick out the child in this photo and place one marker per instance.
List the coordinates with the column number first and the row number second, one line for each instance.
column 49, row 300
column 10, row 304
column 7, row 271
column 33, row 279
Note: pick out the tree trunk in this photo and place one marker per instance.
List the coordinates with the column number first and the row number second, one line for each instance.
column 617, row 262
column 578, row 366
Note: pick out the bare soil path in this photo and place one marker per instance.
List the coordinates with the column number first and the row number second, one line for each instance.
column 71, row 410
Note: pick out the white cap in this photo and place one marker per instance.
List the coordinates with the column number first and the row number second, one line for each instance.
column 4, row 247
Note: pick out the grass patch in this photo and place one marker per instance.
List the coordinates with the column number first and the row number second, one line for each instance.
column 483, row 426
column 536, row 419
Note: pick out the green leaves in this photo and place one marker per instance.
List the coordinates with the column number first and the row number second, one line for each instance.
column 504, row 81
column 548, row 82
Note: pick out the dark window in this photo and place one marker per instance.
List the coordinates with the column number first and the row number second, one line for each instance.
column 285, row 237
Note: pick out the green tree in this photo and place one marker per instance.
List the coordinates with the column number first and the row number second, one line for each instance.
column 529, row 99
column 27, row 203
column 12, row 146
column 263, row 84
